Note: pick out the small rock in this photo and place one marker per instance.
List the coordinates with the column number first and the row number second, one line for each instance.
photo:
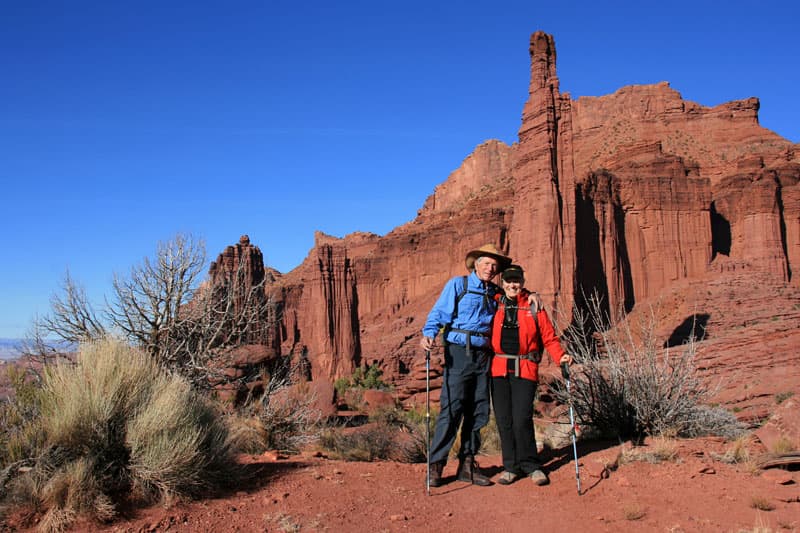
column 398, row 518
column 707, row 470
column 270, row 455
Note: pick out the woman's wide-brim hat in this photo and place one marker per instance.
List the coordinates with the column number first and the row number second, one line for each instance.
column 487, row 250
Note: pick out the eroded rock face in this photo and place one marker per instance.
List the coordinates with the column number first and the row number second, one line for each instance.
column 362, row 299
column 661, row 161
column 633, row 195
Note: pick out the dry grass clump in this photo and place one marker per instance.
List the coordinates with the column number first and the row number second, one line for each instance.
column 284, row 417
column 659, row 451
column 737, row 453
column 391, row 434
column 116, row 424
column 761, row 503
column 783, row 445
column 490, row 438
column 634, row 512
column 371, row 442
column 17, row 436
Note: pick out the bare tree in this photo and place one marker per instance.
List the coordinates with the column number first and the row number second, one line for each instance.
column 147, row 304
column 161, row 307
column 73, row 318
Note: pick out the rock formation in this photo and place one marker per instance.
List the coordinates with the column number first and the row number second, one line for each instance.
column 635, row 195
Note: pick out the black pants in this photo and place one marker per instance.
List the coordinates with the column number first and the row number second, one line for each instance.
column 512, row 398
column 464, row 401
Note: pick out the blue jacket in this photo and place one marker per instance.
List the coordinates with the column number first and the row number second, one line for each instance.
column 474, row 311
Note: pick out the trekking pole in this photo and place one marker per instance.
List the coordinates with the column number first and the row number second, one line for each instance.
column 428, row 420
column 565, row 373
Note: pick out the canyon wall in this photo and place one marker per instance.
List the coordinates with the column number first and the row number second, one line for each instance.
column 629, row 194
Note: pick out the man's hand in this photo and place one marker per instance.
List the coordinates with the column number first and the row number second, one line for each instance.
column 535, row 301
column 426, row 343
column 566, row 359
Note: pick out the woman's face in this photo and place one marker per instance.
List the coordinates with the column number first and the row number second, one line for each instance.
column 512, row 288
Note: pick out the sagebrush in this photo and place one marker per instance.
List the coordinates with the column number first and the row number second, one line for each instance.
column 115, row 426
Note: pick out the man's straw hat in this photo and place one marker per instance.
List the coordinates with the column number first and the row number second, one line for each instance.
column 487, row 250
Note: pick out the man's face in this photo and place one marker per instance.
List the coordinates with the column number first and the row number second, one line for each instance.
column 485, row 268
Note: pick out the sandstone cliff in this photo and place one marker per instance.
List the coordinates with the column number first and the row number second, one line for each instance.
column 633, row 194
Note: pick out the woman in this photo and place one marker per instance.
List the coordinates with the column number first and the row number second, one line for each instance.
column 518, row 337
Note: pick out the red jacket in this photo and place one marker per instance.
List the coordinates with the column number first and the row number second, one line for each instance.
column 529, row 340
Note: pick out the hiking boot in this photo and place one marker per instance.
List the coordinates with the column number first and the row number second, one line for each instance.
column 469, row 471
column 539, row 477
column 507, row 478
column 435, row 475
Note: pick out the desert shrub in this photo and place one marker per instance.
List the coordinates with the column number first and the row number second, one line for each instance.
column 626, row 384
column 284, row 417
column 16, row 416
column 411, row 438
column 113, row 424
column 362, row 378
column 390, row 434
column 371, row 442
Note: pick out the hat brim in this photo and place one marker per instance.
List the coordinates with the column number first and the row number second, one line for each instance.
column 503, row 262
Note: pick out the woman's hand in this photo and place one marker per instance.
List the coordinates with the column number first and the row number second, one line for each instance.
column 535, row 301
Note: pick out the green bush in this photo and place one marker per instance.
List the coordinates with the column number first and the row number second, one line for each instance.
column 362, row 378
column 116, row 424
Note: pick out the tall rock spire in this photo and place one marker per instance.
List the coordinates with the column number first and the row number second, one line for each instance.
column 542, row 236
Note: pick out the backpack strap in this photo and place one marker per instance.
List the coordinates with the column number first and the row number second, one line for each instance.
column 467, row 333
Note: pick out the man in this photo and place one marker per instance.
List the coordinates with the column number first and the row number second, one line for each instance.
column 464, row 313
column 519, row 335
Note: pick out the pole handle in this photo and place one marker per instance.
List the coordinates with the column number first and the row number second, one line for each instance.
column 565, row 371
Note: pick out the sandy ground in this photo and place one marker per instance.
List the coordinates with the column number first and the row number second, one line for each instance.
column 694, row 491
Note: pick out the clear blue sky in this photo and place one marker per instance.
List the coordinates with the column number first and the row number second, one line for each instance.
column 125, row 122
